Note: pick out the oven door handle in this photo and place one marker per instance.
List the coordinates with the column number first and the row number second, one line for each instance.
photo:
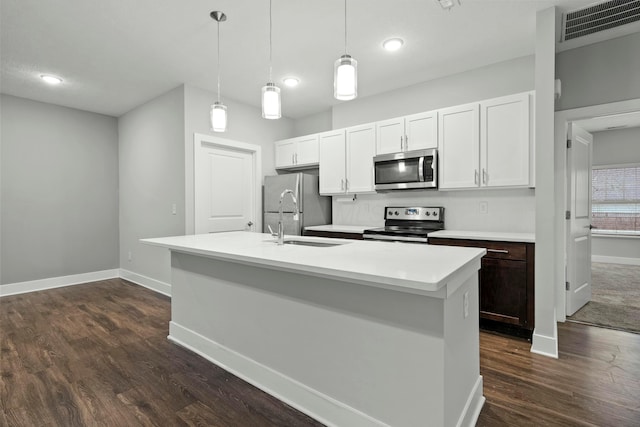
column 395, row 238
column 421, row 169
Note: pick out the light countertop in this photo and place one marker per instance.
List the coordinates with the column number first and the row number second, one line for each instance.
column 335, row 228
column 485, row 235
column 413, row 268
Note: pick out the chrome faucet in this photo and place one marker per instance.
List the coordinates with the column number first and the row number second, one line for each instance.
column 295, row 214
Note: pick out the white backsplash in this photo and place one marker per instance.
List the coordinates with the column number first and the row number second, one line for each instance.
column 507, row 210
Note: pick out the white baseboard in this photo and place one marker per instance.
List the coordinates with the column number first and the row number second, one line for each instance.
column 472, row 408
column 317, row 405
column 615, row 260
column 544, row 345
column 56, row 282
column 147, row 282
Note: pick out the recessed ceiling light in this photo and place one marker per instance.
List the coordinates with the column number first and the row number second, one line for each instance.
column 52, row 80
column 290, row 81
column 393, row 44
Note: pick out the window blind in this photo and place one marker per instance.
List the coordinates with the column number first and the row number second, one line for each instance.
column 616, row 198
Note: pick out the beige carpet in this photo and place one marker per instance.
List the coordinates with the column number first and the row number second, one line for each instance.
column 615, row 298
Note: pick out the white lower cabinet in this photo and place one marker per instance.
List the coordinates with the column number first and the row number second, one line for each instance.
column 346, row 160
column 486, row 144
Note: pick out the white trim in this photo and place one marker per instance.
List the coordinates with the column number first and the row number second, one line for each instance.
column 472, row 408
column 544, row 345
column 617, row 234
column 288, row 390
column 56, row 282
column 253, row 149
column 146, row 282
column 561, row 120
column 615, row 260
column 616, row 166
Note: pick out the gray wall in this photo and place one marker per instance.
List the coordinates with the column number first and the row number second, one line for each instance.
column 599, row 73
column 151, row 181
column 314, row 123
column 503, row 78
column 616, row 147
column 59, row 191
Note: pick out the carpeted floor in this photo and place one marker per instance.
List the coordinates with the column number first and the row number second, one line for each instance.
column 615, row 297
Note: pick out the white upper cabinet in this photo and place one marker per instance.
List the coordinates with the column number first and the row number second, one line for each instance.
column 332, row 161
column 346, row 160
column 297, row 152
column 414, row 132
column 459, row 146
column 505, row 141
column 486, row 144
column 361, row 147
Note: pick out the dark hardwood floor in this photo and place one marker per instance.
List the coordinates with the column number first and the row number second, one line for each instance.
column 98, row 355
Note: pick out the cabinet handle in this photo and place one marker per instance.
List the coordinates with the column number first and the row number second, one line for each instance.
column 293, row 159
column 475, row 176
column 498, row 251
column 296, row 158
column 342, row 184
column 484, row 176
column 406, row 143
column 346, row 184
column 401, row 146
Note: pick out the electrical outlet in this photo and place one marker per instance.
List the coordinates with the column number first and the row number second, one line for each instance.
column 484, row 207
column 174, row 209
column 465, row 304
column 130, row 256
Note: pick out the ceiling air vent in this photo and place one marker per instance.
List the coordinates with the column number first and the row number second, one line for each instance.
column 599, row 17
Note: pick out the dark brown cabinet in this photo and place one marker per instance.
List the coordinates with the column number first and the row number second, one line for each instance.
column 506, row 284
column 333, row 234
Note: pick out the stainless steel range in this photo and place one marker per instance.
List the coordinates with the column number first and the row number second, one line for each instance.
column 408, row 224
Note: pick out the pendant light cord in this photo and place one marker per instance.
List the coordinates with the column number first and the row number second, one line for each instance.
column 218, row 61
column 345, row 27
column 270, row 44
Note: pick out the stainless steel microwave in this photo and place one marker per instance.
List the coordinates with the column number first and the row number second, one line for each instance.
column 409, row 170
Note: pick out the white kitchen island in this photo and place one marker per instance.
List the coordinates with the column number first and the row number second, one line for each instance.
column 358, row 334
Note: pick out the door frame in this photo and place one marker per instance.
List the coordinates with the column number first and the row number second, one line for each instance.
column 562, row 118
column 228, row 144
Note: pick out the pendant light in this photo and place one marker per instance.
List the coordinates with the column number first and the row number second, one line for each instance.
column 271, row 105
column 218, row 109
column 345, row 71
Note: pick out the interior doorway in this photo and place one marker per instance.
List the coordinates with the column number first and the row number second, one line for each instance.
column 613, row 268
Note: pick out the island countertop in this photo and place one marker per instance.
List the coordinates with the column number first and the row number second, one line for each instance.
column 412, row 268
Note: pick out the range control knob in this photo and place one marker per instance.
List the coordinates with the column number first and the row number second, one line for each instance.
column 428, row 214
column 397, row 213
column 435, row 213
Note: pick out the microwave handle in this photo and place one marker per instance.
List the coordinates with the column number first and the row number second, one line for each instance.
column 421, row 169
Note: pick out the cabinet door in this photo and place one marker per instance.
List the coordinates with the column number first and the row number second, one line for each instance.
column 361, row 143
column 503, row 291
column 390, row 136
column 307, row 150
column 285, row 153
column 421, row 131
column 458, row 146
column 332, row 162
column 505, row 141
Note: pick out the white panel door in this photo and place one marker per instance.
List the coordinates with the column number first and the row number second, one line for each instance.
column 458, row 146
column 421, row 131
column 390, row 136
column 505, row 141
column 307, row 150
column 224, row 189
column 579, row 227
column 332, row 162
column 285, row 153
column 361, row 143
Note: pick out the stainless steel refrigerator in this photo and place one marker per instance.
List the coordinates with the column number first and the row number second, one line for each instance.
column 314, row 208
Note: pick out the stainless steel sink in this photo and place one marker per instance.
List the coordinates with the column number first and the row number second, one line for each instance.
column 311, row 243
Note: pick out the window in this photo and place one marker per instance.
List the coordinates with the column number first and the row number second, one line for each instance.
column 616, row 199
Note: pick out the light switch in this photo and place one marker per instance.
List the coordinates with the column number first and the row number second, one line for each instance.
column 484, row 207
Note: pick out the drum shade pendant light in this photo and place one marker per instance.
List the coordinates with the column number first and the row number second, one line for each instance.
column 271, row 105
column 345, row 71
column 218, row 109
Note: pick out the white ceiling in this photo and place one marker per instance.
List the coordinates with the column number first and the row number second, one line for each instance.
column 115, row 55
